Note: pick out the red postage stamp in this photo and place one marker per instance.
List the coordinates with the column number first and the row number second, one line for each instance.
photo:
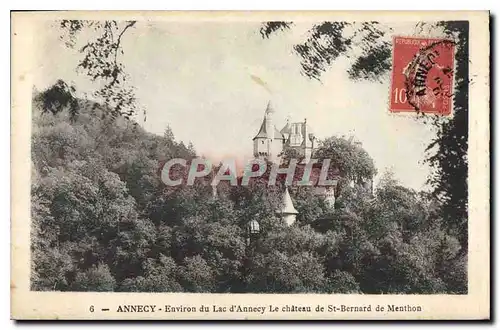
column 422, row 75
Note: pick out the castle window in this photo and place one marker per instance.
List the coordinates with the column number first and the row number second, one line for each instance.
column 262, row 142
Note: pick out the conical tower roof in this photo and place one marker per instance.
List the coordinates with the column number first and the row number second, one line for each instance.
column 263, row 133
column 287, row 204
column 287, row 128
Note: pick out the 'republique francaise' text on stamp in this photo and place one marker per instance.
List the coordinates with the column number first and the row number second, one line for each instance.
column 422, row 75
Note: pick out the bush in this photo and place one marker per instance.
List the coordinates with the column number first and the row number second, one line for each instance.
column 95, row 279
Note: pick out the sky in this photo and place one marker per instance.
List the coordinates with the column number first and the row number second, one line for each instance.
column 196, row 77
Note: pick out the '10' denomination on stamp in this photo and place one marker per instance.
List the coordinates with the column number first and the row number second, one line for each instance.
column 422, row 75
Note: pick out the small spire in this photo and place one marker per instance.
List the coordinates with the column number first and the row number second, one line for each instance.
column 269, row 108
column 287, row 206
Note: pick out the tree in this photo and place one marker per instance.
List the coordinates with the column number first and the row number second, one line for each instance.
column 57, row 98
column 101, row 62
column 368, row 44
column 95, row 279
column 342, row 282
column 350, row 160
column 196, row 275
column 286, row 260
column 447, row 153
column 394, row 243
column 160, row 275
column 310, row 205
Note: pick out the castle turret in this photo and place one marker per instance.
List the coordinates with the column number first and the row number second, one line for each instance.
column 269, row 141
column 285, row 131
column 287, row 211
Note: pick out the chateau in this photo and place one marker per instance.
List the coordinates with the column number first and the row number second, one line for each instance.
column 297, row 140
column 269, row 143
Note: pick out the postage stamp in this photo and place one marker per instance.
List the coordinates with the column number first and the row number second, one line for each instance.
column 422, row 75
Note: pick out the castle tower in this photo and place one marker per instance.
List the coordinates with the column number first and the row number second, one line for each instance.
column 287, row 212
column 269, row 141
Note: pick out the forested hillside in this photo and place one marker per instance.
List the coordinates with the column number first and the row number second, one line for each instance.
column 102, row 220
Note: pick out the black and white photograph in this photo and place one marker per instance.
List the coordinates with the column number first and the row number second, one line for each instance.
column 232, row 154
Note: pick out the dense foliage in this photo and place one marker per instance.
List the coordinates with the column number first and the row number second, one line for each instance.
column 102, row 220
column 447, row 154
column 368, row 45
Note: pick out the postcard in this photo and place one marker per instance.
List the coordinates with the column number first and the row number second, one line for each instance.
column 250, row 165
